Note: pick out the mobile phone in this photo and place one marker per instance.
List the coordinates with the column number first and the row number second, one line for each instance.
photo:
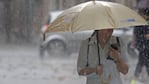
column 115, row 46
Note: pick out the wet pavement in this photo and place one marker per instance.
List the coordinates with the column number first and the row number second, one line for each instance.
column 22, row 65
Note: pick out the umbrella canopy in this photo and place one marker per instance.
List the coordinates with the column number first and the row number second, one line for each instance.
column 95, row 15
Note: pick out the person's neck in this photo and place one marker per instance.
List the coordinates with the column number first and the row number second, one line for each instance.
column 103, row 40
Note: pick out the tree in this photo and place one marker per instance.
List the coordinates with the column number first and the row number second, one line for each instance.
column 23, row 18
column 7, row 19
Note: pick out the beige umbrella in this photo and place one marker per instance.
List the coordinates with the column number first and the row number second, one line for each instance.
column 95, row 15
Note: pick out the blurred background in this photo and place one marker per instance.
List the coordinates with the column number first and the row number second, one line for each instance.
column 21, row 20
column 26, row 58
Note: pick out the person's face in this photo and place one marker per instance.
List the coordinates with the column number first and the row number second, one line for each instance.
column 106, row 32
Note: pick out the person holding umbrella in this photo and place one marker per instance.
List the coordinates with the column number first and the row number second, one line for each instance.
column 141, row 40
column 100, row 56
column 100, row 59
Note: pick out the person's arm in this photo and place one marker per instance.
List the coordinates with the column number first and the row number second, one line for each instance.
column 121, row 65
column 86, row 71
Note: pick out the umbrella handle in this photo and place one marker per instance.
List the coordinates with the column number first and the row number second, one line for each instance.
column 94, row 1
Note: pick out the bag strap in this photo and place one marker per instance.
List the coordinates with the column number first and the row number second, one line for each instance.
column 98, row 48
column 87, row 64
column 117, row 39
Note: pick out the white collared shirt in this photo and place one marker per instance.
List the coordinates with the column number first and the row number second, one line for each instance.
column 110, row 68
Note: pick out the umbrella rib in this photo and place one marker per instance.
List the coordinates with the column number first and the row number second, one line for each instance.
column 110, row 15
column 73, row 20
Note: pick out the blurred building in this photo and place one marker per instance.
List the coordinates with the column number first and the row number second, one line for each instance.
column 21, row 20
column 129, row 3
column 64, row 4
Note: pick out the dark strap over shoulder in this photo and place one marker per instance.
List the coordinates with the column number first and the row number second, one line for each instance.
column 118, row 42
column 98, row 48
column 87, row 64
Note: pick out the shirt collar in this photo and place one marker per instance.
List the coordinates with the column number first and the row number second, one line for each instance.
column 93, row 40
